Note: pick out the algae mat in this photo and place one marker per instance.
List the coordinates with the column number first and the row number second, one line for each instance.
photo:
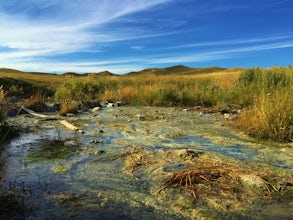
column 143, row 163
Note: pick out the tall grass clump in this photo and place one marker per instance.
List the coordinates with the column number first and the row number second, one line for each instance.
column 3, row 116
column 270, row 115
column 71, row 107
column 36, row 102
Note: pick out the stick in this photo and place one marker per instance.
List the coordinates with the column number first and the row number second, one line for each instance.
column 31, row 112
column 71, row 126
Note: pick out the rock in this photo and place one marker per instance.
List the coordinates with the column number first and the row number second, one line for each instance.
column 70, row 115
column 98, row 152
column 103, row 104
column 252, row 180
column 70, row 143
column 140, row 117
column 234, row 111
column 224, row 111
column 120, row 103
column 110, row 104
column 96, row 142
column 287, row 149
column 96, row 109
column 52, row 107
column 226, row 116
column 184, row 153
column 12, row 112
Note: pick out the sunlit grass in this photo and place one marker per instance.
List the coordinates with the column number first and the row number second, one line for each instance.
column 264, row 94
column 3, row 115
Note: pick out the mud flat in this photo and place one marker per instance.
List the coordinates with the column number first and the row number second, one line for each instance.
column 144, row 163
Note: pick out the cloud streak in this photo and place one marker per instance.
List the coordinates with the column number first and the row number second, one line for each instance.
column 221, row 54
column 70, row 29
column 93, row 35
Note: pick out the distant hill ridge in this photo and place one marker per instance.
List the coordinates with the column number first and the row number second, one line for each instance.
column 177, row 70
column 180, row 69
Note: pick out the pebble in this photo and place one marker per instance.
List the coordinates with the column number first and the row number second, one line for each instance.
column 70, row 115
column 70, row 143
column 96, row 109
column 96, row 142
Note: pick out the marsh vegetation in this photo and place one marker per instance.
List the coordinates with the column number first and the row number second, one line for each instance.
column 264, row 95
column 168, row 154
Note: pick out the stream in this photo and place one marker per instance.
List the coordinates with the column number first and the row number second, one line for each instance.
column 92, row 180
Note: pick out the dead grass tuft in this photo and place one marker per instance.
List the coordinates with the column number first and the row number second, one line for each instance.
column 135, row 158
column 216, row 183
column 36, row 102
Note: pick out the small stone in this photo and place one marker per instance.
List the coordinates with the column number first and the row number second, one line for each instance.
column 70, row 143
column 226, row 115
column 96, row 109
column 140, row 117
column 120, row 103
column 96, row 142
column 224, row 111
column 98, row 152
column 287, row 149
column 252, row 180
column 70, row 115
column 110, row 104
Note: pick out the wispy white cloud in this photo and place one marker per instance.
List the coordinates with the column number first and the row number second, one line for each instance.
column 33, row 32
column 220, row 54
column 68, row 29
column 234, row 42
column 127, row 64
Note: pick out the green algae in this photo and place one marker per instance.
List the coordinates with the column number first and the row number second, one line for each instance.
column 49, row 153
column 60, row 169
column 126, row 180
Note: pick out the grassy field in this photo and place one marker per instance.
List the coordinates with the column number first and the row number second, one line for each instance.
column 264, row 95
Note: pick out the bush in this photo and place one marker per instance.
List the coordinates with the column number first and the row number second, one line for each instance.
column 68, row 108
column 36, row 102
column 78, row 90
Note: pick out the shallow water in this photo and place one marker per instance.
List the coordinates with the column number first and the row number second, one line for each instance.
column 96, row 186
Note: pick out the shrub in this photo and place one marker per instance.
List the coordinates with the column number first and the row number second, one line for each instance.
column 36, row 102
column 68, row 108
column 78, row 90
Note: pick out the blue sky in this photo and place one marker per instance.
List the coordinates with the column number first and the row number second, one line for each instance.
column 130, row 35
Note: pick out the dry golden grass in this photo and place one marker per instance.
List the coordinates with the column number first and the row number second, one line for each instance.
column 36, row 102
column 271, row 116
column 219, row 89
column 68, row 108
column 221, row 184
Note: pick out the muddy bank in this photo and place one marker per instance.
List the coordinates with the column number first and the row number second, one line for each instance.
column 146, row 163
